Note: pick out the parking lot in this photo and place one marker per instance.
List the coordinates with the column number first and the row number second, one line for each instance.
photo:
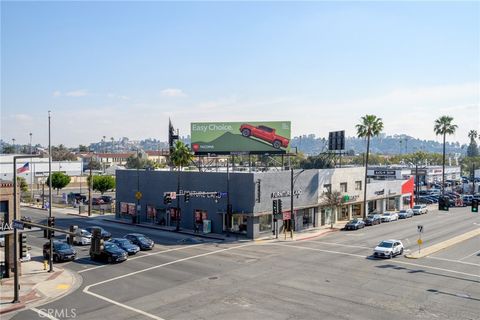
column 329, row 277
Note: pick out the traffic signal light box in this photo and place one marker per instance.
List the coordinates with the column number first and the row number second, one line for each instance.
column 475, row 205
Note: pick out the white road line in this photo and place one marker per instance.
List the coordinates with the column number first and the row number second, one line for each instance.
column 315, row 249
column 43, row 314
column 143, row 256
column 87, row 288
column 456, row 261
column 337, row 244
column 469, row 255
column 360, row 256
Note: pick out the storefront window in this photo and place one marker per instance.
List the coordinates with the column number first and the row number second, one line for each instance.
column 265, row 223
column 344, row 213
column 308, row 218
column 391, row 204
column 239, row 223
column 356, row 210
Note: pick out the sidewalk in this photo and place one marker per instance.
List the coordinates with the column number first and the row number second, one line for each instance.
column 69, row 210
column 297, row 236
column 37, row 286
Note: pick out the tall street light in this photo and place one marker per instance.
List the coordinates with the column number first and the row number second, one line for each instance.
column 50, row 256
column 13, row 144
column 15, row 232
column 31, row 170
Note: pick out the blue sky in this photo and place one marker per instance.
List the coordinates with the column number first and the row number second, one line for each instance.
column 122, row 68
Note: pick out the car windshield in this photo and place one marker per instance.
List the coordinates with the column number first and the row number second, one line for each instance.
column 142, row 239
column 111, row 246
column 61, row 246
column 417, row 207
column 123, row 242
column 385, row 244
column 371, row 216
column 386, row 214
column 403, row 211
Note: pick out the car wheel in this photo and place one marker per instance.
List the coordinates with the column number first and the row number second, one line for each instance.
column 55, row 258
column 109, row 260
column 390, row 256
column 401, row 251
column 277, row 144
column 246, row 132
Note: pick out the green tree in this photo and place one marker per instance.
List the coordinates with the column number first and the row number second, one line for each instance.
column 22, row 182
column 59, row 180
column 137, row 162
column 102, row 183
column 61, row 153
column 472, row 150
column 8, row 149
column 96, row 165
column 370, row 126
column 82, row 148
column 181, row 156
column 444, row 126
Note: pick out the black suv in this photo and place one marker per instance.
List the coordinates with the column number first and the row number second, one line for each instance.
column 62, row 251
column 104, row 233
column 140, row 240
column 110, row 253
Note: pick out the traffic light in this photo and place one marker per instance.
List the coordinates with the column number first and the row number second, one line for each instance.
column 23, row 244
column 70, row 237
column 280, row 206
column 443, row 203
column 187, row 196
column 275, row 207
column 474, row 205
column 51, row 223
column 166, row 198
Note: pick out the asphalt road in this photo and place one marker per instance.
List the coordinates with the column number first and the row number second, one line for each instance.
column 329, row 277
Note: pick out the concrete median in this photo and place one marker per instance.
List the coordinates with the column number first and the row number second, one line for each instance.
column 443, row 245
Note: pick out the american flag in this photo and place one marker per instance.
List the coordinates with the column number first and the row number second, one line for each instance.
column 25, row 168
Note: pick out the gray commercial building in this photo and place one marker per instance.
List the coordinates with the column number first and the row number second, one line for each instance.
column 251, row 196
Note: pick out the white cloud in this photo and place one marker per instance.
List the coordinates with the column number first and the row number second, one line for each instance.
column 172, row 92
column 77, row 93
column 56, row 93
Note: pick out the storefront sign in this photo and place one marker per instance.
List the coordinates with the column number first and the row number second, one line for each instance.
column 348, row 198
column 380, row 192
column 131, row 209
column 287, row 215
column 284, row 194
column 384, row 172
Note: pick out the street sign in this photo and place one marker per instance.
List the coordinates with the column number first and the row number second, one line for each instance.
column 420, row 172
column 420, row 228
column 173, row 195
column 138, row 195
column 287, row 215
column 18, row 224
column 419, row 241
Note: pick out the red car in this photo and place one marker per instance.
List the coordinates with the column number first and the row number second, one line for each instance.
column 264, row 133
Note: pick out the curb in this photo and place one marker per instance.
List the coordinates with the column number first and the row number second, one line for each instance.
column 444, row 244
column 167, row 230
column 319, row 235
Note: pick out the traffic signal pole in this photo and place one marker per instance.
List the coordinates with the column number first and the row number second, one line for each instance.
column 50, row 256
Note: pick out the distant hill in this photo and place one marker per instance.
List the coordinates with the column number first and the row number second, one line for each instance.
column 397, row 144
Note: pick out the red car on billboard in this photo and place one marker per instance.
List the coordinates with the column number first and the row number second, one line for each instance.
column 264, row 133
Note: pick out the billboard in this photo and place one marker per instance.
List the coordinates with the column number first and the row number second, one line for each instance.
column 240, row 137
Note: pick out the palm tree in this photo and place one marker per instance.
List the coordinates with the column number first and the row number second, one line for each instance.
column 472, row 134
column 444, row 126
column 180, row 156
column 370, row 126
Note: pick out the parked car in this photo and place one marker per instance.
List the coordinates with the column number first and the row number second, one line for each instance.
column 106, row 199
column 79, row 197
column 389, row 216
column 62, row 251
column 82, row 237
column 104, row 233
column 97, row 201
column 404, row 214
column 110, row 253
column 140, row 240
column 388, row 249
column 355, row 224
column 264, row 133
column 419, row 209
column 467, row 199
column 126, row 245
column 373, row 219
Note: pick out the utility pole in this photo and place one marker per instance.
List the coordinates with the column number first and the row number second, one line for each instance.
column 138, row 188
column 50, row 256
column 14, row 147
column 31, row 170
column 177, row 213
column 291, row 203
column 229, row 209
column 473, row 176
column 90, row 184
